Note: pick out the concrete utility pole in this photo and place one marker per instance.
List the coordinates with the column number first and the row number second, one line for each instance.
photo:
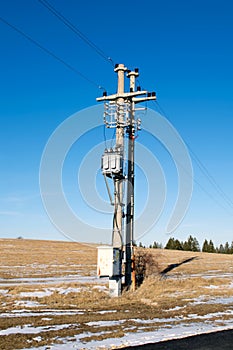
column 129, row 236
column 117, row 239
column 120, row 114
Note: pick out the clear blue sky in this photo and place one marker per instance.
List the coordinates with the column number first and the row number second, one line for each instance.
column 184, row 52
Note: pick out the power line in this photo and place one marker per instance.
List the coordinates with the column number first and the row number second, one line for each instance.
column 211, row 178
column 50, row 53
column 78, row 32
column 206, row 173
column 212, row 197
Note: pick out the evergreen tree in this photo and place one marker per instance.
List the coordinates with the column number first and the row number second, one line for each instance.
column 227, row 248
column 170, row 244
column 195, row 245
column 231, row 248
column 221, row 249
column 177, row 245
column 205, row 247
column 173, row 244
column 185, row 246
column 211, row 248
column 157, row 245
column 192, row 244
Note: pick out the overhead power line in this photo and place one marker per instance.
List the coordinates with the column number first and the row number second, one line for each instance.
column 211, row 178
column 50, row 53
column 206, row 173
column 45, row 3
column 78, row 32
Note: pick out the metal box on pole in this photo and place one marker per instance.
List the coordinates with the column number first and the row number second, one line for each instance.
column 109, row 261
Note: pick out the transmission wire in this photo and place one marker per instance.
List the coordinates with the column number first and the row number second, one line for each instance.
column 50, row 53
column 74, row 28
column 205, row 171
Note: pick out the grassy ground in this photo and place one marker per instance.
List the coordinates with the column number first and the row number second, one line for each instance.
column 50, row 287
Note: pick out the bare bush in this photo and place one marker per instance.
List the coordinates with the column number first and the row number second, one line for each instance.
column 145, row 265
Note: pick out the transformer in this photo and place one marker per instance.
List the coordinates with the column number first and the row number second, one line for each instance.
column 112, row 163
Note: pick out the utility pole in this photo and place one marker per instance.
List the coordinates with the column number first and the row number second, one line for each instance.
column 120, row 114
column 117, row 238
column 129, row 236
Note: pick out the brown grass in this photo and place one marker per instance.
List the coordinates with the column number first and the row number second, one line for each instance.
column 175, row 297
column 31, row 258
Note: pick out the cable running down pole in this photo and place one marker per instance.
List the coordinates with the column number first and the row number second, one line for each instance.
column 120, row 114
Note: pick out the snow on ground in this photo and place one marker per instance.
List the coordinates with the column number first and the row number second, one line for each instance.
column 27, row 303
column 167, row 328
column 211, row 274
column 138, row 338
column 37, row 294
column 45, row 292
column 47, row 312
column 104, row 323
column 50, row 291
column 175, row 308
column 27, row 328
column 106, row 311
column 215, row 300
column 7, row 282
column 3, row 291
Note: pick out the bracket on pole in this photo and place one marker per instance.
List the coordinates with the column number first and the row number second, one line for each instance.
column 120, row 114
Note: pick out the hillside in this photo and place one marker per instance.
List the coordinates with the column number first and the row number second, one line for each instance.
column 49, row 294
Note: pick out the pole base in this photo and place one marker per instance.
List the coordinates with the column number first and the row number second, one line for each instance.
column 115, row 286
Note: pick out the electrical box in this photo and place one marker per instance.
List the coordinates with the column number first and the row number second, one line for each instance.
column 112, row 163
column 109, row 261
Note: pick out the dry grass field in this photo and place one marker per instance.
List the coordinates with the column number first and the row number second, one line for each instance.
column 50, row 296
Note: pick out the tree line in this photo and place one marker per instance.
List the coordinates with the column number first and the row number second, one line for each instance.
column 192, row 244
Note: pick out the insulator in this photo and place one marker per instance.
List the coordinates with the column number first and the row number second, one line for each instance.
column 153, row 94
column 138, row 88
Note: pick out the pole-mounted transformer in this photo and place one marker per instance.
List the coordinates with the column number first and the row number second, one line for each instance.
column 112, row 163
column 119, row 113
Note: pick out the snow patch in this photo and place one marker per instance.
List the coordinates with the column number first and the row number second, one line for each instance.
column 217, row 300
column 26, row 313
column 104, row 323
column 106, row 312
column 135, row 339
column 4, row 291
column 27, row 303
column 30, row 329
column 36, row 294
column 175, row 308
column 6, row 282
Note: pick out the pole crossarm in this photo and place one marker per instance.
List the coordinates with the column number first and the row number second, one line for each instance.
column 125, row 96
column 120, row 113
column 147, row 98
